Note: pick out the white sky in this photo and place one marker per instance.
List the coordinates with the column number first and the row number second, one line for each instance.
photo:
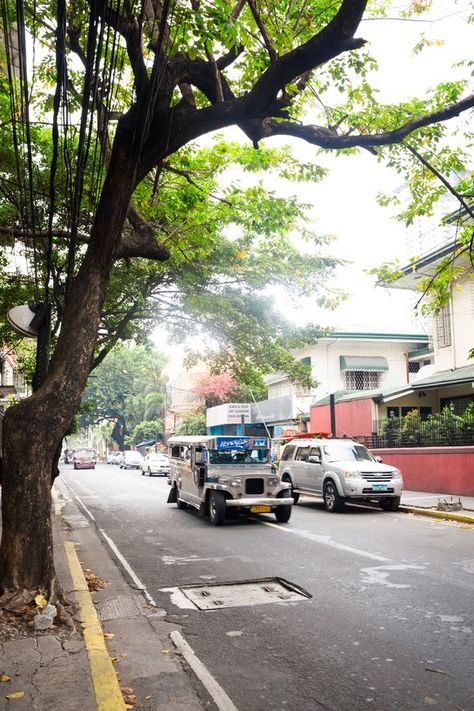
column 344, row 203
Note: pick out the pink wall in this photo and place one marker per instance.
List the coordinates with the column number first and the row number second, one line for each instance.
column 441, row 470
column 352, row 418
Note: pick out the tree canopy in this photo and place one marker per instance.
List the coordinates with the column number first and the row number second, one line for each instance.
column 127, row 390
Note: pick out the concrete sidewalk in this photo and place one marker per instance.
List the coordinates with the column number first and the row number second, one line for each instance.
column 439, row 505
column 124, row 659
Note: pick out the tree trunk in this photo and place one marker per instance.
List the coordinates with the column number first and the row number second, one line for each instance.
column 34, row 429
column 118, row 433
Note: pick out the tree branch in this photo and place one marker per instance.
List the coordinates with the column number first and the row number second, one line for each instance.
column 328, row 137
column 128, row 26
column 263, row 31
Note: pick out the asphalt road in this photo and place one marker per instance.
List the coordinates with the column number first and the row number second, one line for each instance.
column 390, row 620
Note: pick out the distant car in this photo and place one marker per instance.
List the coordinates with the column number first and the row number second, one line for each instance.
column 131, row 460
column 114, row 457
column 156, row 463
column 68, row 456
column 84, row 458
column 339, row 470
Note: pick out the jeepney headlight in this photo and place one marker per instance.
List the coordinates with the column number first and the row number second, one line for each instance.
column 350, row 474
column 273, row 481
column 236, row 481
column 223, row 480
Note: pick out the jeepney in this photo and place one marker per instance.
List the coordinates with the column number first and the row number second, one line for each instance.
column 215, row 474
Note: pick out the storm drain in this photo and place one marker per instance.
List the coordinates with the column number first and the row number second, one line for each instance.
column 239, row 594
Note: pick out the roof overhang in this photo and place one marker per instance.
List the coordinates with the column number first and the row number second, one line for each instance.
column 427, row 266
column 370, row 363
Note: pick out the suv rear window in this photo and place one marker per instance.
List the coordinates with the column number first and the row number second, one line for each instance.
column 287, row 452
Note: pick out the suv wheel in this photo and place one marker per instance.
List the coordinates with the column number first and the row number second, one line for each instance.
column 390, row 504
column 217, row 508
column 287, row 480
column 332, row 501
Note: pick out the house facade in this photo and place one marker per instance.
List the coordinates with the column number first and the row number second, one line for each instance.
column 356, row 362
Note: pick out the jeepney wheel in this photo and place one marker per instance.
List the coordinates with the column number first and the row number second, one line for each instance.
column 332, row 501
column 217, row 508
column 287, row 480
column 283, row 513
column 391, row 504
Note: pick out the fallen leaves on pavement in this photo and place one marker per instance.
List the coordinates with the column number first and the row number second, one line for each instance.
column 94, row 583
column 16, row 695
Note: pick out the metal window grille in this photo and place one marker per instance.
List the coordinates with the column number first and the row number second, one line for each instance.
column 443, row 328
column 413, row 367
column 362, row 379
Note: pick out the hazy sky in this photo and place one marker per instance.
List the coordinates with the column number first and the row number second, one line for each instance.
column 344, row 203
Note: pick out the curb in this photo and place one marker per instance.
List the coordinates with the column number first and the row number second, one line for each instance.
column 461, row 518
column 104, row 679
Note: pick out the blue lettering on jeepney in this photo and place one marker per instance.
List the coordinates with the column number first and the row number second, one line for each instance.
column 243, row 443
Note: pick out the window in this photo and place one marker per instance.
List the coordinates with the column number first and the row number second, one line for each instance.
column 443, row 328
column 413, row 367
column 362, row 379
column 302, row 454
column 315, row 452
column 393, row 412
column 342, row 452
column 236, row 456
column 175, row 451
column 287, row 452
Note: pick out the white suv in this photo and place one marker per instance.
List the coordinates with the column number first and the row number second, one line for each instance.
column 339, row 470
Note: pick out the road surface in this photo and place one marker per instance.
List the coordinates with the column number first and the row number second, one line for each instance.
column 388, row 624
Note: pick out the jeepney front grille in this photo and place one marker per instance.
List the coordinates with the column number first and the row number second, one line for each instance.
column 254, row 486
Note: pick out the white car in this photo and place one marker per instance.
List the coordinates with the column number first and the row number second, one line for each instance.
column 131, row 460
column 156, row 463
column 114, row 457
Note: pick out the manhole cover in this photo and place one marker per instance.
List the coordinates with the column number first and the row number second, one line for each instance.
column 238, row 594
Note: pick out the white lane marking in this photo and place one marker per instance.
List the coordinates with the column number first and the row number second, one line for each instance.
column 128, row 567
column 379, row 575
column 121, row 558
column 183, row 560
column 216, row 691
column 178, row 598
column 326, row 541
column 81, row 503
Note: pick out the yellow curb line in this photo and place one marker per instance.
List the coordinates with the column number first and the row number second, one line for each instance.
column 104, row 678
column 439, row 514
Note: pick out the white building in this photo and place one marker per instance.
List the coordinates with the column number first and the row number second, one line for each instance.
column 339, row 361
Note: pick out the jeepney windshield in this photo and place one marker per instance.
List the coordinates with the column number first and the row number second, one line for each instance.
column 236, row 456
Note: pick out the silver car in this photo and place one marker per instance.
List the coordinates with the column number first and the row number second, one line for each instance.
column 339, row 470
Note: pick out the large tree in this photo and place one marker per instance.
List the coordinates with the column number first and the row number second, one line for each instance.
column 193, row 68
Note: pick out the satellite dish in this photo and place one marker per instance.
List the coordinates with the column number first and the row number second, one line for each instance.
column 20, row 318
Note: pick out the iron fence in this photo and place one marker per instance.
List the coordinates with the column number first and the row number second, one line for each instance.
column 442, row 430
